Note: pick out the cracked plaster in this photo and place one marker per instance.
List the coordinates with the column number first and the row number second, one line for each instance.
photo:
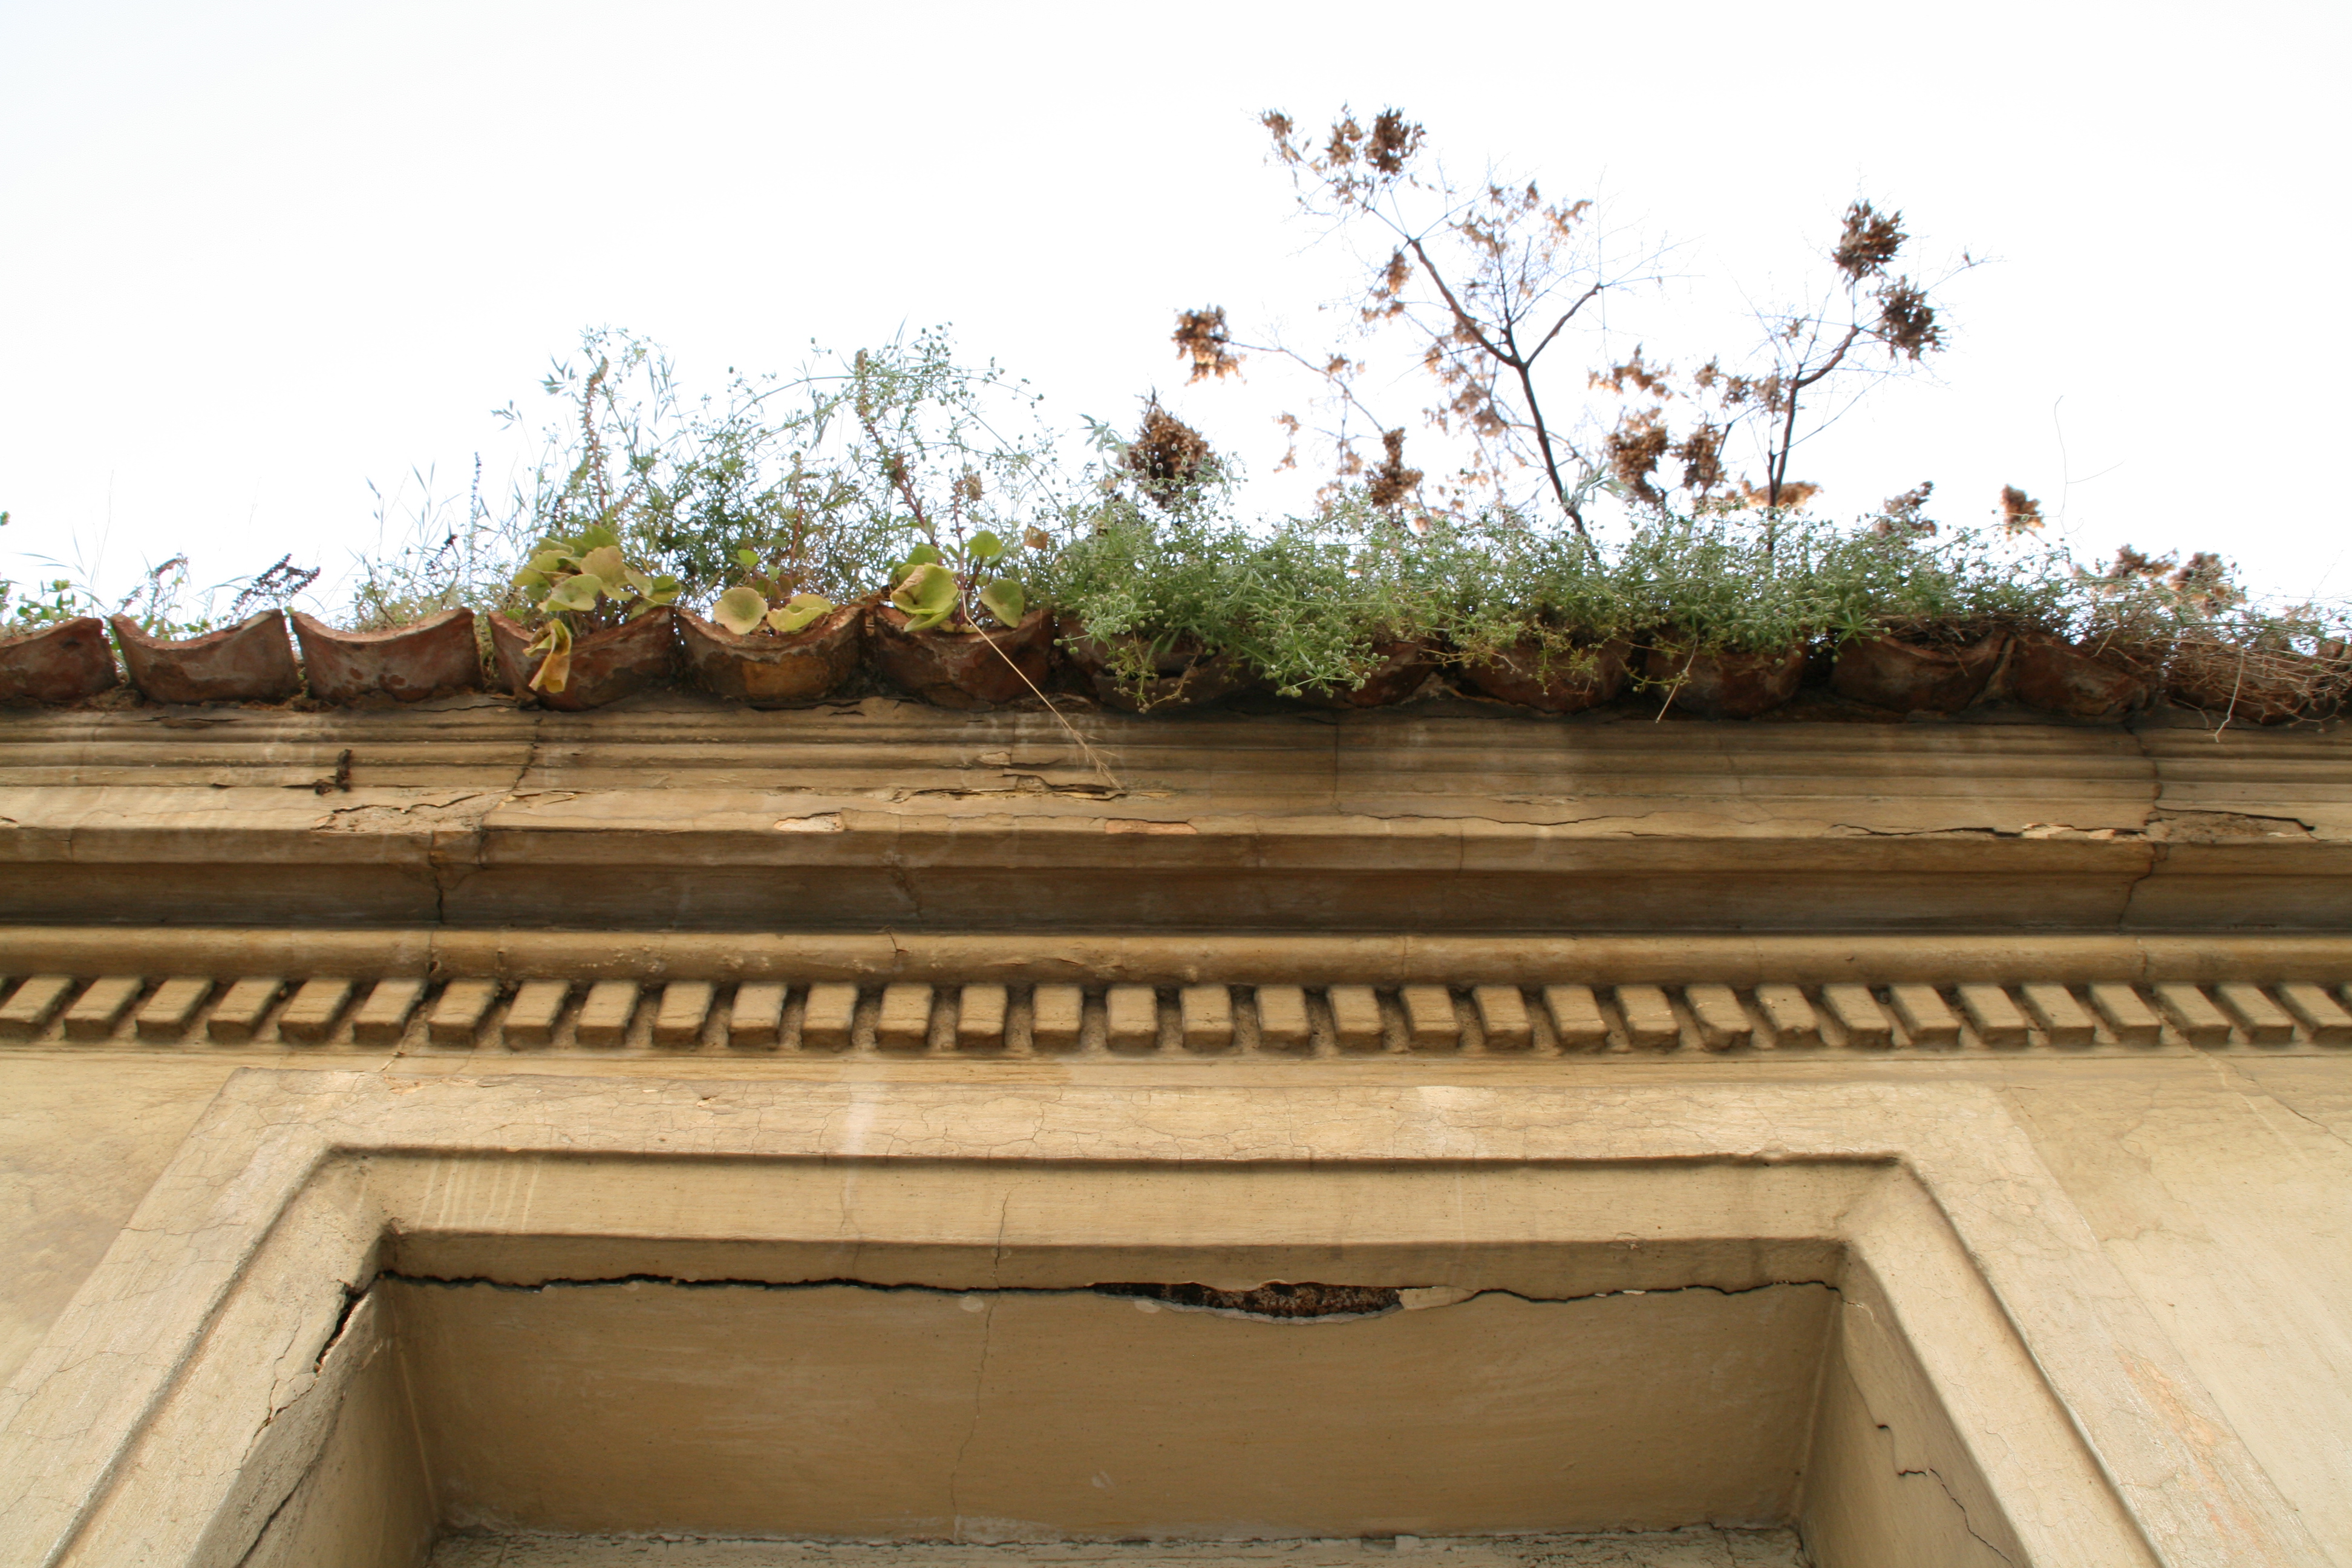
column 269, row 1143
column 2170, row 1237
column 481, row 813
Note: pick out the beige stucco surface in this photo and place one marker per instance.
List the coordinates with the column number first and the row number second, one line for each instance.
column 939, row 1411
column 1696, row 1547
column 2217, row 1189
column 1659, row 1115
column 2168, row 1229
column 79, row 1144
column 885, row 814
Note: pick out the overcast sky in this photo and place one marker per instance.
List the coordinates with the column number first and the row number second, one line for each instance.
column 253, row 256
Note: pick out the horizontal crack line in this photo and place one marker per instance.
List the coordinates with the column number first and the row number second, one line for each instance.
column 1173, row 1296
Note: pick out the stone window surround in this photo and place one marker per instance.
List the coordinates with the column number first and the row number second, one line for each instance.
column 215, row 1309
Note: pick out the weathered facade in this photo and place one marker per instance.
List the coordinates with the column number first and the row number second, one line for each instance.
column 872, row 1123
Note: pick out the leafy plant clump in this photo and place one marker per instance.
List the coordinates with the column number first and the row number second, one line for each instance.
column 1158, row 566
column 954, row 585
column 1508, row 586
column 1337, row 587
column 750, row 486
column 584, row 583
column 1304, row 603
column 746, row 608
column 952, row 461
column 709, row 489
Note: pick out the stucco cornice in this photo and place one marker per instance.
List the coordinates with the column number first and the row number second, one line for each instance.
column 679, row 815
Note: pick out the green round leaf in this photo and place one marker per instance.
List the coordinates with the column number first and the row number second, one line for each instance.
column 609, row 566
column 739, row 610
column 985, row 546
column 577, row 592
column 1004, row 600
column 805, row 611
column 927, row 590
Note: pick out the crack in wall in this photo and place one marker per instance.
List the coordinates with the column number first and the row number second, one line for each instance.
column 1034, row 785
column 1276, row 1301
column 2250, row 1090
column 261, row 1536
column 980, row 1372
column 2161, row 827
column 2159, row 852
column 353, row 1295
column 464, row 867
column 971, row 1428
column 904, row 881
column 1958, row 1507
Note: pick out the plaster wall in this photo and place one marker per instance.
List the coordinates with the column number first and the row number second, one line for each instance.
column 365, row 1497
column 2131, row 1345
column 848, row 1413
column 1458, row 1189
column 2215, row 1188
column 682, row 814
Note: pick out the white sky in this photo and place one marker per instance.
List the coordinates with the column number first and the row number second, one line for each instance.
column 253, row 256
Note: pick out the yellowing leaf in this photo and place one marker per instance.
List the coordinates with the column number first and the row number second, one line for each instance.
column 607, row 564
column 554, row 671
column 577, row 592
column 1004, row 600
column 739, row 610
column 805, row 611
column 928, row 591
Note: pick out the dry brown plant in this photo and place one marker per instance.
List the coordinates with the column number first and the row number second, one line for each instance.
column 2020, row 512
column 1473, row 283
column 2203, row 581
column 1635, row 448
column 1170, row 461
column 1905, row 516
column 1203, row 338
column 1804, row 353
column 1391, row 483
